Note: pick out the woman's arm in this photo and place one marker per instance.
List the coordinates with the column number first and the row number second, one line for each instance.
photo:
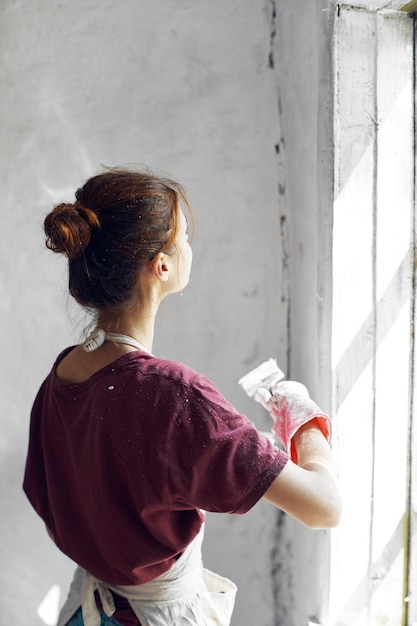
column 309, row 491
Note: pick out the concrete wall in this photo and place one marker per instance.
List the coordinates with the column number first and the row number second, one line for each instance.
column 187, row 88
column 303, row 62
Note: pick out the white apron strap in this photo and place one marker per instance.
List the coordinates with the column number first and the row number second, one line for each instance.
column 91, row 615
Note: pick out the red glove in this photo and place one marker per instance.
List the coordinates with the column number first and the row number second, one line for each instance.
column 290, row 406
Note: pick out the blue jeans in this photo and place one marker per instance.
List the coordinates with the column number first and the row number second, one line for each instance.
column 77, row 620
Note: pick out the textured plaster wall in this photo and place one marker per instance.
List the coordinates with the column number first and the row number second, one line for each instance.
column 301, row 53
column 187, row 88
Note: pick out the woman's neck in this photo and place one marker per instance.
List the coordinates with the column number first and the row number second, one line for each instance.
column 139, row 324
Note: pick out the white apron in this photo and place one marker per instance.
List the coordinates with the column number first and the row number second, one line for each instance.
column 186, row 595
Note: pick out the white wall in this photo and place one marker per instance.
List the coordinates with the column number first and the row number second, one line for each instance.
column 373, row 325
column 347, row 102
column 184, row 87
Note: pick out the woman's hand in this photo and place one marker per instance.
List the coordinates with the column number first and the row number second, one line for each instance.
column 290, row 406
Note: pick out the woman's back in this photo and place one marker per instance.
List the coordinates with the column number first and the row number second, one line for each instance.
column 129, row 458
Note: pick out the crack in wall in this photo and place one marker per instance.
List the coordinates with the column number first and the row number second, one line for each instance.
column 281, row 574
column 272, row 34
column 284, row 244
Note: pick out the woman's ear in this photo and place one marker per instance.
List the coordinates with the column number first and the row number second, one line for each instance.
column 161, row 266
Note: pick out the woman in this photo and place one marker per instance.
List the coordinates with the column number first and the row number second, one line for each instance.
column 128, row 450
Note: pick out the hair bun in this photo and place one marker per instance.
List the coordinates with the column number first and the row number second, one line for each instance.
column 68, row 228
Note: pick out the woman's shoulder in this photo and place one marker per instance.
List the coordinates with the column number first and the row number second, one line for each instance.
column 172, row 372
column 174, row 376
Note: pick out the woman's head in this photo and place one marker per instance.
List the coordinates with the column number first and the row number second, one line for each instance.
column 121, row 220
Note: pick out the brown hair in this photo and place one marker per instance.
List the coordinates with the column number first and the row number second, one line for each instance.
column 121, row 219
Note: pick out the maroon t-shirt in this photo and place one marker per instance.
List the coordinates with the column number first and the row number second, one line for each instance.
column 121, row 467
